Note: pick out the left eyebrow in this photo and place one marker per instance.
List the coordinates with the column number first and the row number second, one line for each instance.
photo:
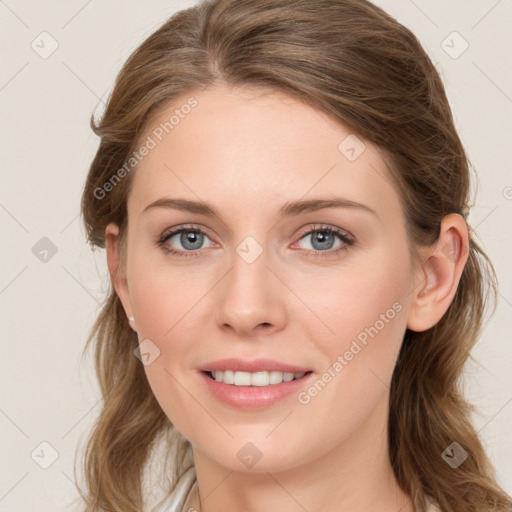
column 287, row 210
column 312, row 205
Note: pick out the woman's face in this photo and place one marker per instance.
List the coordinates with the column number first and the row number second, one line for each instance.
column 263, row 279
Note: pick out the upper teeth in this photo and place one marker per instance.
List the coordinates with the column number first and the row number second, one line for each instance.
column 254, row 379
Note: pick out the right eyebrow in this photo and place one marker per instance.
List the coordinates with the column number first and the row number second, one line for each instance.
column 186, row 205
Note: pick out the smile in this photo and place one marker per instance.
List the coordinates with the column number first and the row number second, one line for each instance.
column 263, row 378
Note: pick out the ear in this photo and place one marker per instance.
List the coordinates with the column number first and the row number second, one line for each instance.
column 440, row 272
column 117, row 271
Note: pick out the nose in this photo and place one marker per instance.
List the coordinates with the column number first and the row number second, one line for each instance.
column 250, row 298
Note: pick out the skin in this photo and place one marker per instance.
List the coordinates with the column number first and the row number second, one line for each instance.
column 248, row 153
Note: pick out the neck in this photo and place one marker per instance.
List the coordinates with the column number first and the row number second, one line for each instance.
column 354, row 476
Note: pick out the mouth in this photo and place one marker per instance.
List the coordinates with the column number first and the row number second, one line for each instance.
column 254, row 379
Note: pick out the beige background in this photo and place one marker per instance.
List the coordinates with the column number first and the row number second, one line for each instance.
column 48, row 306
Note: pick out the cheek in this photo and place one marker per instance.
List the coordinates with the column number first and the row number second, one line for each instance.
column 366, row 295
column 365, row 311
column 349, row 396
column 165, row 296
column 165, row 302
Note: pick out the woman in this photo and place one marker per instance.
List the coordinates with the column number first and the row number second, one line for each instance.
column 283, row 199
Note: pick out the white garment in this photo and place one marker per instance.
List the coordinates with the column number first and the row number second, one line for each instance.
column 433, row 506
column 177, row 500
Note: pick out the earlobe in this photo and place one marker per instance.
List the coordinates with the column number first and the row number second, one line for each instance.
column 441, row 270
column 116, row 270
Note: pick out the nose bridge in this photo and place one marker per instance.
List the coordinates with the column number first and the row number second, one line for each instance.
column 249, row 277
column 250, row 295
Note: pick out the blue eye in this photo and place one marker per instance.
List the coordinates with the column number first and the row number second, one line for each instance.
column 192, row 239
column 323, row 239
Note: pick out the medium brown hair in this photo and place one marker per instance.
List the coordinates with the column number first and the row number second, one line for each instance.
column 351, row 60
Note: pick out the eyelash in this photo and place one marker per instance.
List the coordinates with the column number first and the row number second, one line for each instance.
column 345, row 238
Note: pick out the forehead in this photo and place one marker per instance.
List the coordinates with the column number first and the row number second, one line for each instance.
column 248, row 148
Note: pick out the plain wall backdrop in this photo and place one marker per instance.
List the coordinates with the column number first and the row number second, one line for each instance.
column 59, row 59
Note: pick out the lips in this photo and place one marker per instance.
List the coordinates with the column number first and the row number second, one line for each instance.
column 257, row 365
column 253, row 397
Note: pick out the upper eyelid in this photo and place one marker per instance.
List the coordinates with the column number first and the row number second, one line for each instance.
column 325, row 227
column 174, row 231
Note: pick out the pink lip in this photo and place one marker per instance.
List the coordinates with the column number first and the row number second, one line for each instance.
column 258, row 365
column 253, row 397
